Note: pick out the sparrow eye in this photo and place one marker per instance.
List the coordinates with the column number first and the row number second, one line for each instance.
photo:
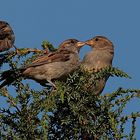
column 96, row 39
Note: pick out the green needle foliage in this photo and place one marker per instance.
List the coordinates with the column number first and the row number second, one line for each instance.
column 70, row 112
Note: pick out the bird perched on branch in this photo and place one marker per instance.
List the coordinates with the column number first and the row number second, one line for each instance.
column 48, row 68
column 7, row 37
column 99, row 57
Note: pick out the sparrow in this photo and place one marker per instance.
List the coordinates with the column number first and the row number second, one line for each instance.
column 7, row 37
column 51, row 67
column 99, row 57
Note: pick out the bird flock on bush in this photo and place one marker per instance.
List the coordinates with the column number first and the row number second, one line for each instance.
column 59, row 64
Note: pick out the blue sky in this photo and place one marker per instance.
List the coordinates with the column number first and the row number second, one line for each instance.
column 35, row 21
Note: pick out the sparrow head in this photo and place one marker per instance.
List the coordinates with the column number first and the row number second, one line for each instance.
column 71, row 44
column 5, row 27
column 6, row 31
column 100, row 42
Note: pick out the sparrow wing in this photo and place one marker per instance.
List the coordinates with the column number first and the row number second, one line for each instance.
column 58, row 56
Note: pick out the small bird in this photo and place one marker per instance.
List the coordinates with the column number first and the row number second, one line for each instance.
column 99, row 57
column 7, row 37
column 51, row 67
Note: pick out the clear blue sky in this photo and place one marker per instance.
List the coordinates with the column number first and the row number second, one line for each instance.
column 35, row 21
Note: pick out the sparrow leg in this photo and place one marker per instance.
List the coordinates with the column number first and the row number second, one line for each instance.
column 52, row 83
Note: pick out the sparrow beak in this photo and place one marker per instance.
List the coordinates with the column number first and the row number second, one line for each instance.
column 90, row 42
column 80, row 44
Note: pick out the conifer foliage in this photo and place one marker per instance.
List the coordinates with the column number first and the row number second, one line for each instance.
column 69, row 112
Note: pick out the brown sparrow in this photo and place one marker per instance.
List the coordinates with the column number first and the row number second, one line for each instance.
column 99, row 57
column 51, row 67
column 7, row 36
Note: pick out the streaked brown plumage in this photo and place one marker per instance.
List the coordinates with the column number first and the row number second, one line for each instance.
column 7, row 36
column 51, row 67
column 99, row 57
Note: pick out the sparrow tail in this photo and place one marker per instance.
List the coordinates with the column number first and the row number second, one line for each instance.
column 9, row 76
